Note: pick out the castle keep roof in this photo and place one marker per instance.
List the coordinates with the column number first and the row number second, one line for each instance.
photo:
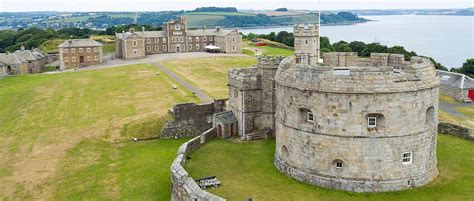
column 80, row 43
column 347, row 73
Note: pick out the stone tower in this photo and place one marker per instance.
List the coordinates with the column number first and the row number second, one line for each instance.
column 306, row 43
column 358, row 124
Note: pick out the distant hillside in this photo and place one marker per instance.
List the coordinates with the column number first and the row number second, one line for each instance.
column 457, row 12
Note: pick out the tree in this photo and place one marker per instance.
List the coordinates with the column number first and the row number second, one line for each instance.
column 374, row 48
column 357, row 46
column 342, row 46
column 325, row 43
column 282, row 9
column 467, row 68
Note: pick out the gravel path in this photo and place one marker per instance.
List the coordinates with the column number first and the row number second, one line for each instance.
column 450, row 108
column 201, row 95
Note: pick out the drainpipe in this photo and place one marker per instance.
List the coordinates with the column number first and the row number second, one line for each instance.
column 242, row 114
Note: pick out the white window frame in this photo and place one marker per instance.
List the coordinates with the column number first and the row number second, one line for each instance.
column 81, row 50
column 309, row 117
column 371, row 119
column 88, row 49
column 89, row 58
column 164, row 40
column 164, row 47
column 73, row 59
column 73, row 50
column 148, row 48
column 157, row 48
column 96, row 58
column 197, row 38
column 197, row 47
column 407, row 157
column 65, row 51
column 148, row 40
column 339, row 164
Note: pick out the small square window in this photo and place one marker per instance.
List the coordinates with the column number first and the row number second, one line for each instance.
column 80, row 50
column 88, row 49
column 407, row 157
column 309, row 117
column 372, row 122
column 339, row 164
column 95, row 49
column 65, row 51
column 73, row 50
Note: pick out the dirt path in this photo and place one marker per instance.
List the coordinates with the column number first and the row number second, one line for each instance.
column 201, row 95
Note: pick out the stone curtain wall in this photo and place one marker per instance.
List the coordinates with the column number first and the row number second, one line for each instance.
column 191, row 119
column 183, row 187
column 456, row 93
column 456, row 130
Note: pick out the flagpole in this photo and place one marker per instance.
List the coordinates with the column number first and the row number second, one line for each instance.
column 319, row 29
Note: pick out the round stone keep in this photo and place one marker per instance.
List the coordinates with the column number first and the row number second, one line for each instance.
column 358, row 124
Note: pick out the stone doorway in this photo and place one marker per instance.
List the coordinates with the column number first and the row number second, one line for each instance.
column 178, row 48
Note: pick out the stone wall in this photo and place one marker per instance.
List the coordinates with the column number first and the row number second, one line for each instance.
column 191, row 119
column 456, row 130
column 456, row 93
column 183, row 187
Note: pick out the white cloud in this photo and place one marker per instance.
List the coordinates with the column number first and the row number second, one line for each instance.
column 157, row 5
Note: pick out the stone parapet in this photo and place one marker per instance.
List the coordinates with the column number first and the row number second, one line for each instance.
column 184, row 187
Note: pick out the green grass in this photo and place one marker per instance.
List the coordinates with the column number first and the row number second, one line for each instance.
column 246, row 170
column 47, row 118
column 468, row 111
column 108, row 48
column 51, row 46
column 274, row 51
column 447, row 99
column 221, row 13
column 201, row 20
column 210, row 73
column 248, row 52
column 125, row 171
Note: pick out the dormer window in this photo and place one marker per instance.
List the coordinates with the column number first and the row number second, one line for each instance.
column 177, row 26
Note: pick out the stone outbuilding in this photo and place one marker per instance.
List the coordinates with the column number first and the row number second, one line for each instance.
column 16, row 65
column 77, row 53
column 457, row 86
column 3, row 69
column 225, row 124
column 34, row 59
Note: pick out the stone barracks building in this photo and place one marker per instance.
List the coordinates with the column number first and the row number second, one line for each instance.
column 457, row 86
column 349, row 123
column 77, row 53
column 175, row 37
column 23, row 61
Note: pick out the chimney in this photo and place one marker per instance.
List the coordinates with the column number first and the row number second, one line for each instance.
column 22, row 48
column 7, row 52
column 204, row 27
column 143, row 29
column 70, row 42
column 123, row 33
column 218, row 29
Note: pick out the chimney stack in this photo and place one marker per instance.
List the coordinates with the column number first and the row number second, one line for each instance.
column 143, row 29
column 22, row 48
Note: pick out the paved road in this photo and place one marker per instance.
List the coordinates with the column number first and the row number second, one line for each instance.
column 450, row 108
column 201, row 95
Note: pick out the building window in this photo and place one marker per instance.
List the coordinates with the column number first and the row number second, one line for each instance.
column 190, row 46
column 164, row 40
column 73, row 59
column 236, row 93
column 182, row 39
column 372, row 122
column 73, row 50
column 430, row 116
column 309, row 117
column 81, row 50
column 157, row 48
column 177, row 26
column 134, row 43
column 204, row 38
column 135, row 52
column 210, row 38
column 148, row 40
column 148, row 48
column 233, row 47
column 66, row 59
column 88, row 49
column 306, row 41
column 88, row 58
column 303, row 60
column 173, row 39
column 164, row 47
column 172, row 47
column 407, row 157
column 65, row 51
column 197, row 46
column 157, row 40
column 197, row 39
column 95, row 49
column 233, row 39
column 190, row 39
column 339, row 164
column 96, row 58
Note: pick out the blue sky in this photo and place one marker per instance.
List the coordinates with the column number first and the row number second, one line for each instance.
column 158, row 5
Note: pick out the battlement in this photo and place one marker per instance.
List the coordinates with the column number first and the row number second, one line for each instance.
column 302, row 29
column 347, row 59
column 269, row 61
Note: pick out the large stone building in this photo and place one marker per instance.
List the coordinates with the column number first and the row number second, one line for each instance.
column 349, row 123
column 77, row 53
column 175, row 37
column 457, row 86
column 23, row 61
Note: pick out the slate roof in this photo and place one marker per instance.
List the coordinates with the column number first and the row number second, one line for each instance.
column 456, row 80
column 226, row 117
column 80, row 43
column 11, row 59
column 155, row 34
column 29, row 55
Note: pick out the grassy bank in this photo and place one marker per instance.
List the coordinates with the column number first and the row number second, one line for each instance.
column 246, row 171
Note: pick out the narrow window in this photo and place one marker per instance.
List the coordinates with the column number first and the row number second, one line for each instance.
column 135, row 52
column 236, row 93
column 65, row 51
column 197, row 46
column 81, row 50
column 89, row 58
column 148, row 40
column 407, row 157
column 156, row 48
column 190, row 46
column 73, row 50
column 96, row 58
column 164, row 47
column 88, row 49
column 134, row 43
column 66, row 59
column 157, row 40
column 309, row 117
column 306, row 41
column 95, row 49
column 430, row 116
column 372, row 122
column 73, row 59
column 339, row 164
column 148, row 48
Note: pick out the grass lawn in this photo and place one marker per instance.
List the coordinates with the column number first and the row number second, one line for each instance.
column 447, row 99
column 209, row 74
column 66, row 135
column 246, row 170
column 275, row 51
column 51, row 46
column 108, row 48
